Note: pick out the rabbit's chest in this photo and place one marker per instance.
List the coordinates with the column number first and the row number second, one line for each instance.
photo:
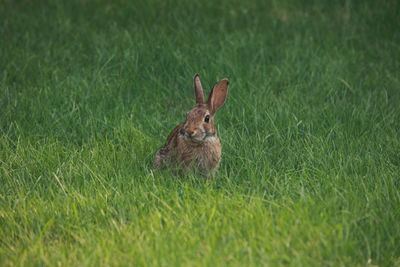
column 205, row 157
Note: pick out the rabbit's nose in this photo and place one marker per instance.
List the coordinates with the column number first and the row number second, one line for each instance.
column 190, row 132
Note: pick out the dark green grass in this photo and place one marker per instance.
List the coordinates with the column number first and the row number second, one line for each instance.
column 310, row 132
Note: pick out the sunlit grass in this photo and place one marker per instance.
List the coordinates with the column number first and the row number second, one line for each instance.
column 310, row 133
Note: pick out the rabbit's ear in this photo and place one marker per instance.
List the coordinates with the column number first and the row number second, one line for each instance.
column 218, row 95
column 198, row 89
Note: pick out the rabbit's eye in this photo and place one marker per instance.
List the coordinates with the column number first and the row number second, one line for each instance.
column 207, row 118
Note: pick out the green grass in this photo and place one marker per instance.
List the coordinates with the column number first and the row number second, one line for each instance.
column 310, row 132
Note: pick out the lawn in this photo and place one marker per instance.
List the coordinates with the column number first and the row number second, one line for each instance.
column 310, row 174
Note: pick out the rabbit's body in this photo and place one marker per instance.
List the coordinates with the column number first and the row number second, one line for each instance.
column 204, row 156
column 194, row 144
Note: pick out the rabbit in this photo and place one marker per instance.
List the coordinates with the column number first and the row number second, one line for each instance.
column 194, row 144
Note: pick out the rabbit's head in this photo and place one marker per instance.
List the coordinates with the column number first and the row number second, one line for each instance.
column 199, row 125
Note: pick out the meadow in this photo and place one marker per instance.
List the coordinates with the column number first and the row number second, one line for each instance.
column 310, row 174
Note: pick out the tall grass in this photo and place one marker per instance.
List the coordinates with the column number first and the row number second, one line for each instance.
column 310, row 132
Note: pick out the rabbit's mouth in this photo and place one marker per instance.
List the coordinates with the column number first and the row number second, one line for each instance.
column 201, row 138
column 195, row 139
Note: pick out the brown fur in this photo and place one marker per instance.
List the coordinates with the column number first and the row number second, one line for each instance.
column 194, row 144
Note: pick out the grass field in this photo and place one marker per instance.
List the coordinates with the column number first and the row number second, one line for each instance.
column 310, row 132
